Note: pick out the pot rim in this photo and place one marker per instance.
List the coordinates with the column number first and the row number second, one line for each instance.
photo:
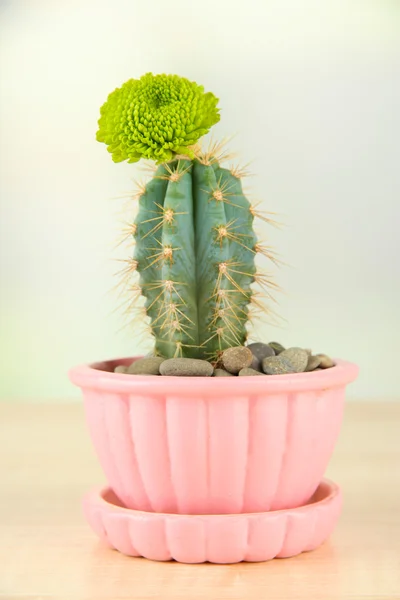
column 99, row 376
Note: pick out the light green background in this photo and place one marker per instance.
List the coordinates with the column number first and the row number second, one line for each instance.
column 312, row 92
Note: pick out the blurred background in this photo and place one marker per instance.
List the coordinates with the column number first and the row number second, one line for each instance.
column 310, row 91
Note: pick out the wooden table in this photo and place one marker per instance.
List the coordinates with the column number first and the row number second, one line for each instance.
column 48, row 552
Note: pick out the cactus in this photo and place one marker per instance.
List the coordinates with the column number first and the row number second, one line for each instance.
column 195, row 245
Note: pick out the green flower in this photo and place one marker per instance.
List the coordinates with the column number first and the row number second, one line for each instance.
column 156, row 117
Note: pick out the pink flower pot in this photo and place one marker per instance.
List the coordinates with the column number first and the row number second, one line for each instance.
column 220, row 539
column 213, row 445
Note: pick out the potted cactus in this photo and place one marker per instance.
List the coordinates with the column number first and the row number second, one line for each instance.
column 189, row 436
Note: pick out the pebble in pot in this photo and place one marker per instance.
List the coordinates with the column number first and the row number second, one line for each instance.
column 259, row 352
column 277, row 365
column 146, row 366
column 120, row 369
column 237, row 358
column 186, row 367
column 325, row 361
column 222, row 373
column 313, row 363
column 277, row 347
column 249, row 372
column 298, row 358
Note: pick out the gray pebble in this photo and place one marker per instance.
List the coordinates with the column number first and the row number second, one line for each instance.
column 260, row 351
column 121, row 369
column 186, row 367
column 325, row 361
column 277, row 365
column 237, row 358
column 277, row 347
column 255, row 364
column 247, row 372
column 222, row 373
column 313, row 363
column 146, row 366
column 298, row 358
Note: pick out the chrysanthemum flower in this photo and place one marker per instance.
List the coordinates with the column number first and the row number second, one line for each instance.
column 156, row 117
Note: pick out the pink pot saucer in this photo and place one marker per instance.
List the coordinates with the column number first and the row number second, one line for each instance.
column 252, row 537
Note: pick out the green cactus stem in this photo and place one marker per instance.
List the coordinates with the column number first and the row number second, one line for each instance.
column 195, row 249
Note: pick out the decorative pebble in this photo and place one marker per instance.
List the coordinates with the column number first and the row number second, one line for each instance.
column 259, row 352
column 313, row 363
column 277, row 347
column 247, row 372
column 277, row 365
column 237, row 358
column 325, row 361
column 222, row 373
column 186, row 367
column 298, row 358
column 146, row 366
column 246, row 361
